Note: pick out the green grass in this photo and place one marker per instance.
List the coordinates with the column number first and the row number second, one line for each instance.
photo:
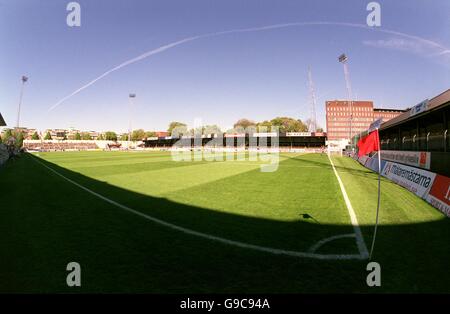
column 47, row 222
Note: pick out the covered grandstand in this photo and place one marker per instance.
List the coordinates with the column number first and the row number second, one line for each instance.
column 2, row 121
column 55, row 145
column 289, row 140
column 421, row 131
column 415, row 151
column 4, row 154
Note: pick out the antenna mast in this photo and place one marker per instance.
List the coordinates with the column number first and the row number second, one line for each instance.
column 312, row 94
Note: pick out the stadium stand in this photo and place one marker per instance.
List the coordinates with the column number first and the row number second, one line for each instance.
column 4, row 153
column 2, row 121
column 285, row 141
column 422, row 131
column 420, row 136
column 48, row 146
column 415, row 151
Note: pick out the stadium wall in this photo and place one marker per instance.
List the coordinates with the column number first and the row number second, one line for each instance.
column 430, row 186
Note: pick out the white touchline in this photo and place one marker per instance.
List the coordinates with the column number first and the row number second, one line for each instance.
column 208, row 236
column 359, row 237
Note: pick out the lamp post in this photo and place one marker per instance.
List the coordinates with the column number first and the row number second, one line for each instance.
column 24, row 80
column 343, row 59
column 130, row 97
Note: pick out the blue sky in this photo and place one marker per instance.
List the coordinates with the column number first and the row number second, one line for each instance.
column 219, row 79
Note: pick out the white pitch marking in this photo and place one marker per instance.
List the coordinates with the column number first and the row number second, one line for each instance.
column 208, row 236
column 359, row 237
column 316, row 246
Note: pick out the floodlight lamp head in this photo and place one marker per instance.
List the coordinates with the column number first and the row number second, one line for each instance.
column 132, row 95
column 343, row 58
column 24, row 78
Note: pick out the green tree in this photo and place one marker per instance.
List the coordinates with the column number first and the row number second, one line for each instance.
column 35, row 136
column 244, row 123
column 124, row 137
column 211, row 129
column 48, row 136
column 77, row 136
column 86, row 136
column 19, row 139
column 150, row 134
column 6, row 135
column 111, row 136
column 264, row 126
column 179, row 127
column 137, row 135
column 101, row 137
column 286, row 124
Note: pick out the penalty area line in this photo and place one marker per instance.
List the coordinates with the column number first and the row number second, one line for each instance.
column 205, row 235
column 359, row 237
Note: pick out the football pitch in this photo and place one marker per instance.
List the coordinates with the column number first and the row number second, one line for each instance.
column 141, row 222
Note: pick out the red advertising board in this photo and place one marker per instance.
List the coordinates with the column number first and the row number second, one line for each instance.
column 439, row 195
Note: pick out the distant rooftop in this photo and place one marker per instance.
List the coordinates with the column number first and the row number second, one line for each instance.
column 2, row 121
column 387, row 109
column 343, row 100
column 434, row 103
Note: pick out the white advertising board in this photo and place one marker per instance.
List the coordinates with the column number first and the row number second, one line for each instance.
column 298, row 134
column 416, row 159
column 416, row 180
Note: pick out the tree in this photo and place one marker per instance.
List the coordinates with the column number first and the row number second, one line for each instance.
column 35, row 136
column 137, row 135
column 244, row 123
column 264, row 126
column 19, row 139
column 77, row 136
column 211, row 129
column 150, row 134
column 319, row 129
column 286, row 124
column 6, row 135
column 124, row 137
column 86, row 136
column 48, row 136
column 110, row 136
column 100, row 137
column 178, row 128
column 206, row 129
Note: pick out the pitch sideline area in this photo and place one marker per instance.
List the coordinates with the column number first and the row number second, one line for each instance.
column 311, row 253
column 191, row 204
column 247, row 171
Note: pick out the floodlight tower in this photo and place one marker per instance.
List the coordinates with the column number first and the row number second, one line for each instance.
column 130, row 97
column 24, row 80
column 343, row 59
column 312, row 93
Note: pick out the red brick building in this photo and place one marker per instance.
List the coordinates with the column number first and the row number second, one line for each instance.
column 338, row 114
column 386, row 114
column 161, row 133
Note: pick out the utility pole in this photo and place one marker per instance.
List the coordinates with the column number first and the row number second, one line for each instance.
column 131, row 97
column 313, row 127
column 24, row 80
column 343, row 59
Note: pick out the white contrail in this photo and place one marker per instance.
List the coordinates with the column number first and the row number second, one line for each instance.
column 443, row 49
